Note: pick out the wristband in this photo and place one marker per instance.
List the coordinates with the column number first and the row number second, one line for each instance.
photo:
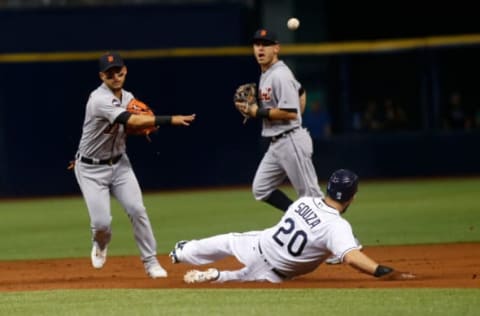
column 163, row 120
column 262, row 113
column 381, row 271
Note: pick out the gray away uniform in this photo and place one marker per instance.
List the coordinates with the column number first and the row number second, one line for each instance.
column 290, row 151
column 103, row 168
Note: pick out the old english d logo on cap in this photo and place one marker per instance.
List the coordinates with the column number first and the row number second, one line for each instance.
column 109, row 60
column 265, row 36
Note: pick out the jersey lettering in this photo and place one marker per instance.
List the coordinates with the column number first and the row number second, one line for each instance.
column 308, row 215
column 265, row 94
column 297, row 240
column 284, row 230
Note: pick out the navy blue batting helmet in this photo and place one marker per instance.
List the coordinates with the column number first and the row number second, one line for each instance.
column 342, row 185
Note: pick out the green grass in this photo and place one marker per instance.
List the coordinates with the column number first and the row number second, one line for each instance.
column 56, row 228
column 232, row 302
column 385, row 213
column 413, row 212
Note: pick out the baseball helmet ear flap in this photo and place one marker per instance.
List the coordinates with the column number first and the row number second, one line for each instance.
column 342, row 185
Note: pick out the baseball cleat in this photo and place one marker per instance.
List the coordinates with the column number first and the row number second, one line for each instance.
column 99, row 257
column 196, row 276
column 156, row 272
column 174, row 254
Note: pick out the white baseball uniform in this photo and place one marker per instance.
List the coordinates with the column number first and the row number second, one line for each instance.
column 102, row 168
column 306, row 235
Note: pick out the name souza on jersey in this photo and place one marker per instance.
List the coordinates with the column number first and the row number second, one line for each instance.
column 308, row 215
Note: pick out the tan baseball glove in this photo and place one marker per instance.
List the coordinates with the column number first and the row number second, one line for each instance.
column 245, row 96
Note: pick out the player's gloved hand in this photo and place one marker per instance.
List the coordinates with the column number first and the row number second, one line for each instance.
column 245, row 99
column 140, row 108
column 247, row 110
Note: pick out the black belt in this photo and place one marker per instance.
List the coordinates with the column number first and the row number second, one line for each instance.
column 110, row 161
column 278, row 273
column 273, row 139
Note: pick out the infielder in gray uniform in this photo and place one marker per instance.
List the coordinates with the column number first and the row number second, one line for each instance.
column 310, row 230
column 281, row 104
column 102, row 166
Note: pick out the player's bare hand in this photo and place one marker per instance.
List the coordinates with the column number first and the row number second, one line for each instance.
column 398, row 276
column 183, row 119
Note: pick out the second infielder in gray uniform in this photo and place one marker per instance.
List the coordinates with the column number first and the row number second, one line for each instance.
column 310, row 230
column 281, row 103
column 102, row 166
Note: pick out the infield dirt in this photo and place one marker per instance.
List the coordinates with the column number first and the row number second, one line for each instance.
column 436, row 266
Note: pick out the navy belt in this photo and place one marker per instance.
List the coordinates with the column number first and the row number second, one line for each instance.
column 110, row 161
column 273, row 139
column 278, row 273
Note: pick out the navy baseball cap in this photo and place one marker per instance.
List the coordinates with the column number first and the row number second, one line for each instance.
column 265, row 35
column 110, row 60
column 342, row 185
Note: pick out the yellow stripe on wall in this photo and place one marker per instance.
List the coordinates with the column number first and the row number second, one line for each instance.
column 287, row 49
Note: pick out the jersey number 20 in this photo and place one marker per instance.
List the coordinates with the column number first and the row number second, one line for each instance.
column 295, row 240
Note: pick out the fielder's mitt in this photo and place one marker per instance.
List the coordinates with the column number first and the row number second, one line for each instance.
column 138, row 107
column 245, row 94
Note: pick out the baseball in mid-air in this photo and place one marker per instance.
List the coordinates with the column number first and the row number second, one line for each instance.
column 293, row 24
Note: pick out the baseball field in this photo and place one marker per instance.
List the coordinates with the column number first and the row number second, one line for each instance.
column 430, row 227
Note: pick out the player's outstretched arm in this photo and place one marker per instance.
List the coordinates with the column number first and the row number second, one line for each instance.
column 183, row 119
column 141, row 121
column 360, row 261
